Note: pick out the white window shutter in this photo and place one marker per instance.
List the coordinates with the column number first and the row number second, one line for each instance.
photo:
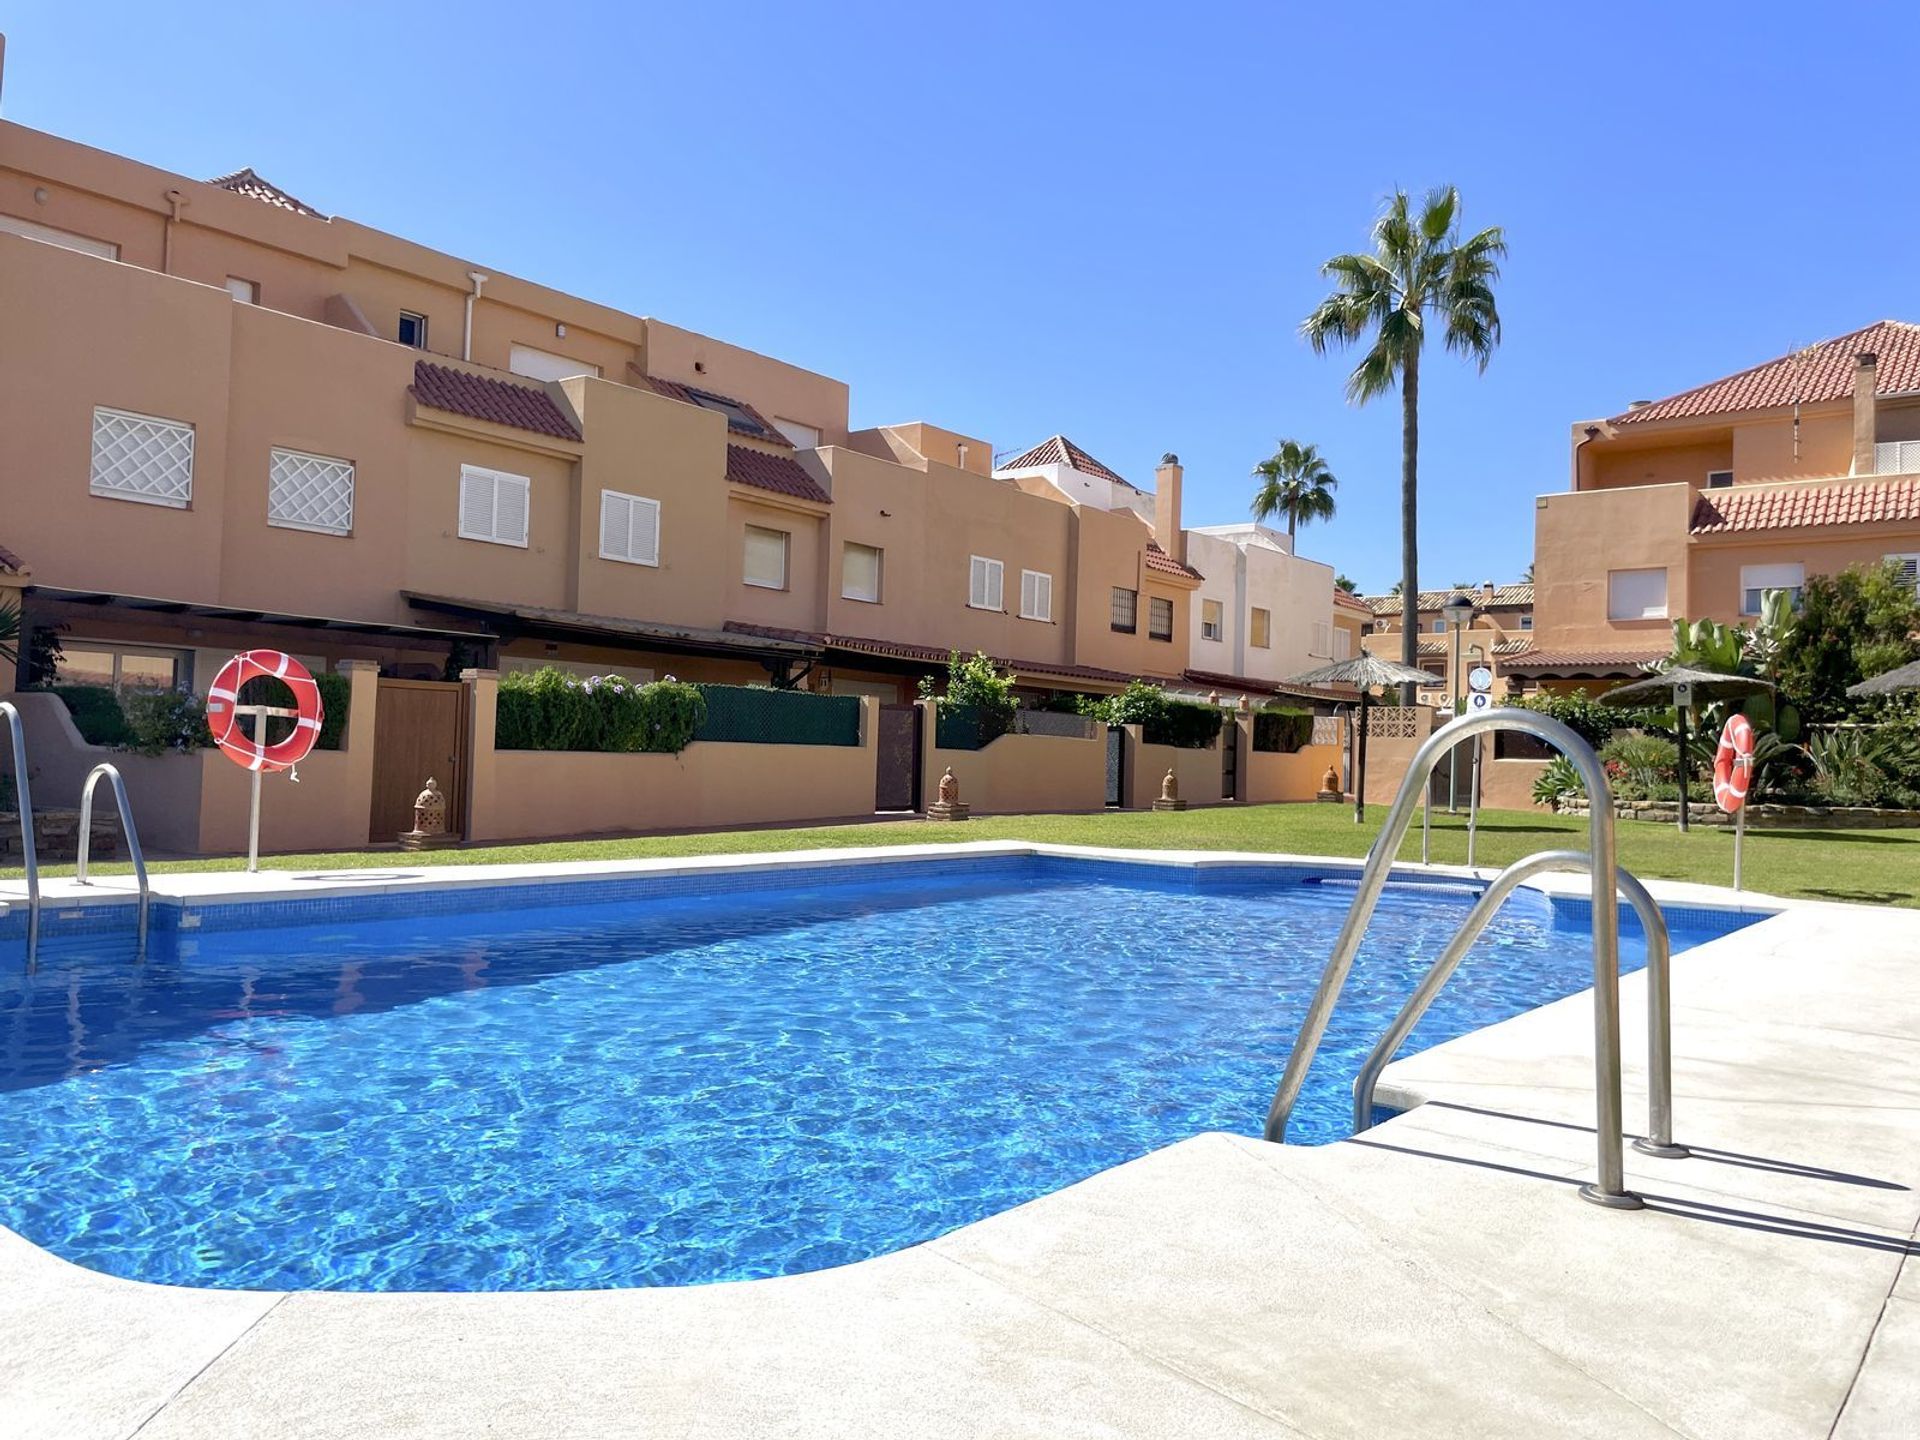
column 643, row 544
column 511, row 496
column 616, row 525
column 977, row 583
column 476, row 505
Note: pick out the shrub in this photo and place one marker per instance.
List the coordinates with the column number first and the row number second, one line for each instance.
column 1639, row 764
column 336, row 696
column 162, row 720
column 1581, row 713
column 1184, row 725
column 552, row 710
column 96, row 712
column 975, row 685
column 1556, row 783
column 1850, row 625
column 1281, row 729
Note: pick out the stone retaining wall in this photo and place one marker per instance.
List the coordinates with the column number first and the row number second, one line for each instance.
column 56, row 835
column 1765, row 817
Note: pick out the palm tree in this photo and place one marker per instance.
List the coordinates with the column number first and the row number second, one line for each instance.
column 1294, row 482
column 1419, row 271
column 1346, row 583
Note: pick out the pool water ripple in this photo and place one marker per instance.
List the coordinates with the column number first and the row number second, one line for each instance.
column 683, row 1090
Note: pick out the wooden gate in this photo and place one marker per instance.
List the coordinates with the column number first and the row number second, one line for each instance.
column 897, row 767
column 420, row 733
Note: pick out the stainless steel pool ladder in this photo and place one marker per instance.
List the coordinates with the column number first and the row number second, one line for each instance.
column 1659, row 1137
column 1609, row 1185
column 127, row 828
column 23, row 799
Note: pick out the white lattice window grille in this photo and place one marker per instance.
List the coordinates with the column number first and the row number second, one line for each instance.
column 309, row 492
column 1896, row 457
column 142, row 458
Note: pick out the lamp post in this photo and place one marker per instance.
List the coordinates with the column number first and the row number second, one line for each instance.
column 1458, row 613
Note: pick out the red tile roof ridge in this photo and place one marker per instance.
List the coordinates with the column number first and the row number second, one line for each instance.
column 1810, row 374
column 497, row 401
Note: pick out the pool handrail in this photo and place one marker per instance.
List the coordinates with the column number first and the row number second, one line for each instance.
column 1659, row 1137
column 23, row 798
column 1609, row 1184
column 127, row 828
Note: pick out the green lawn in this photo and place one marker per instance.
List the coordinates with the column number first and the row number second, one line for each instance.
column 1879, row 867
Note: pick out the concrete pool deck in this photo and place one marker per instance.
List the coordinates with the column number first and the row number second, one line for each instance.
column 1436, row 1276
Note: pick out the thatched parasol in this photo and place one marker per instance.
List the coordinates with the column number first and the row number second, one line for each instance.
column 1660, row 691
column 1364, row 672
column 1907, row 677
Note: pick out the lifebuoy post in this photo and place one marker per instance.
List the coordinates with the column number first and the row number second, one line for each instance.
column 252, row 752
column 1732, row 777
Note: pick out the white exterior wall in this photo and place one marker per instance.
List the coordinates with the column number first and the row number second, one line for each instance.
column 1249, row 566
column 1091, row 490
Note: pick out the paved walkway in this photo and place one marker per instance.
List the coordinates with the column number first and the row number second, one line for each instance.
column 1435, row 1277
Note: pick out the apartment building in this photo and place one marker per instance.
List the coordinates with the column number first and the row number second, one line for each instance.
column 1250, row 613
column 229, row 420
column 1693, row 505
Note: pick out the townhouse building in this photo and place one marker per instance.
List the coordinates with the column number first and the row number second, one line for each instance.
column 1250, row 613
column 228, row 420
column 1499, row 629
column 1695, row 504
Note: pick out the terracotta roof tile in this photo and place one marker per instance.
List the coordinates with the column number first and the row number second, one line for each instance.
column 480, row 397
column 1503, row 595
column 781, row 474
column 1213, row 680
column 1817, row 373
column 923, row 654
column 245, row 182
column 1158, row 559
column 1058, row 450
column 1351, row 602
column 742, row 418
column 1767, row 507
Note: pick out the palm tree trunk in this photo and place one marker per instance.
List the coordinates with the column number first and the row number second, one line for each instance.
column 1293, row 519
column 1410, row 518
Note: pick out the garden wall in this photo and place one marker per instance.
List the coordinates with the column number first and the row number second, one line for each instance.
column 546, row 794
column 1272, row 776
column 1196, row 771
column 197, row 802
column 1021, row 773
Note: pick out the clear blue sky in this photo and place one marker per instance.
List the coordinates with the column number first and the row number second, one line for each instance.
column 1101, row 219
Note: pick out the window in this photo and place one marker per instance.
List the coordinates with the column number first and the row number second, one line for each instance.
column 1159, row 618
column 493, row 506
column 124, row 667
column 739, row 417
column 544, row 365
column 1440, row 628
column 142, row 458
column 245, row 291
column 801, row 437
column 1343, row 644
column 1260, row 626
column 986, row 581
column 1909, row 569
column 1755, row 580
column 860, row 572
column 65, row 239
column 766, row 563
column 1896, row 457
column 629, row 528
column 309, row 492
column 1526, row 623
column 1323, row 637
column 1126, row 607
column 413, row 330
column 1637, row 594
column 1719, row 479
column 1213, row 619
column 1036, row 595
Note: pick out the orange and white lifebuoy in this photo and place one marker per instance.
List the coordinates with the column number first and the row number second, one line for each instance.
column 224, row 721
column 1733, row 764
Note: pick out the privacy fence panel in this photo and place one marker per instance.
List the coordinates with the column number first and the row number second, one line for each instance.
column 751, row 715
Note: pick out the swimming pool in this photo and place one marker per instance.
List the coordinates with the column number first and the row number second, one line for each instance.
column 697, row 1078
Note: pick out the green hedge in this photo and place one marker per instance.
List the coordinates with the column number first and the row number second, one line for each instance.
column 154, row 722
column 96, row 713
column 966, row 727
column 552, row 710
column 1183, row 725
column 1278, row 729
column 759, row 715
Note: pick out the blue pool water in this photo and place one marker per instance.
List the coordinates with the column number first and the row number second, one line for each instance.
column 718, row 1085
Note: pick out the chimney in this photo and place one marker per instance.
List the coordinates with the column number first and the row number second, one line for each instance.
column 1486, row 593
column 1166, row 507
column 1866, row 373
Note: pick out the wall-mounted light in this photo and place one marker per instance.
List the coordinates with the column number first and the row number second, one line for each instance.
column 41, row 194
